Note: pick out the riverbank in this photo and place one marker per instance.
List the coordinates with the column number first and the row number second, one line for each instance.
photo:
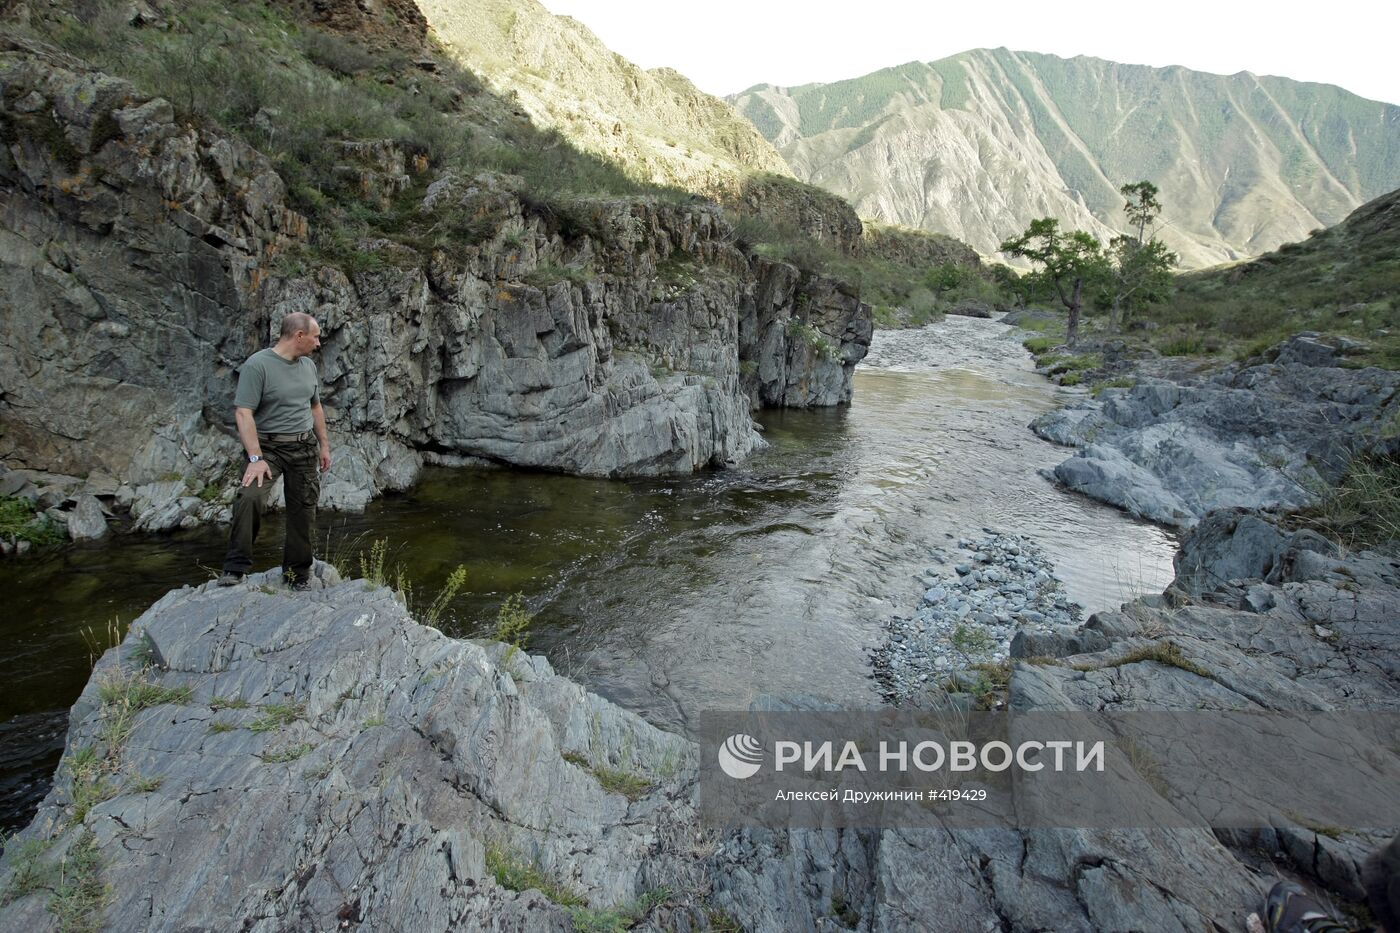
column 321, row 756
column 603, row 820
column 1171, row 443
column 1259, row 616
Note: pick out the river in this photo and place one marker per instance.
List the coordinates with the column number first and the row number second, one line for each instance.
column 668, row 596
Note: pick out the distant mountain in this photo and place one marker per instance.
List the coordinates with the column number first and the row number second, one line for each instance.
column 978, row 144
column 655, row 123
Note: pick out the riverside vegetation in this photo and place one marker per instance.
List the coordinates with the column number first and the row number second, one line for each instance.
column 1342, row 282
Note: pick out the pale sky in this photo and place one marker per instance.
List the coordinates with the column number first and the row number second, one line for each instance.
column 726, row 46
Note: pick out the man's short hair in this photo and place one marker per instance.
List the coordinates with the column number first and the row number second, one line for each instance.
column 297, row 320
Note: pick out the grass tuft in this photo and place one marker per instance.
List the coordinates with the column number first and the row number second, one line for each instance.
column 20, row 522
column 291, row 753
column 514, row 873
column 1163, row 652
column 1121, row 382
column 614, row 781
column 617, row 919
column 277, row 715
column 1363, row 510
column 80, row 895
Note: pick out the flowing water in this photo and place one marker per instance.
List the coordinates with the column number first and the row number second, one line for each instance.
column 668, row 596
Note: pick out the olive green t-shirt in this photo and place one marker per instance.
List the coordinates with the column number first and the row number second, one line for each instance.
column 280, row 393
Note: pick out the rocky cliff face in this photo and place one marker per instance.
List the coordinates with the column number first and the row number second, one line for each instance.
column 978, row 144
column 144, row 259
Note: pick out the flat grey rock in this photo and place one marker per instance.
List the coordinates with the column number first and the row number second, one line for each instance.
column 1262, row 435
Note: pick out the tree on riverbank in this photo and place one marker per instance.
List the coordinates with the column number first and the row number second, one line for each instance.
column 1139, row 264
column 1068, row 262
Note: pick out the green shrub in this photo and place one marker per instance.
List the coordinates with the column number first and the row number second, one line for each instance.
column 337, row 53
column 809, row 335
column 971, row 640
column 19, row 522
column 1039, row 345
column 513, row 622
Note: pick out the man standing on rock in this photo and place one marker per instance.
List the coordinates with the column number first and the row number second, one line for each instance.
column 283, row 430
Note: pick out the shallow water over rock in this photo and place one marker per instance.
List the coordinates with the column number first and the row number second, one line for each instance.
column 668, row 596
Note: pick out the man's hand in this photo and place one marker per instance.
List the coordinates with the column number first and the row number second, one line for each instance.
column 257, row 471
column 325, row 457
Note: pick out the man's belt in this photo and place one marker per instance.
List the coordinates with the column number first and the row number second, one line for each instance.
column 285, row 438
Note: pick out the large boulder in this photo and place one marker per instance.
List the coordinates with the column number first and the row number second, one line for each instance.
column 299, row 760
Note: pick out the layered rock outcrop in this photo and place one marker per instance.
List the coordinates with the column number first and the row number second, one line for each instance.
column 1268, row 433
column 145, row 258
column 320, row 761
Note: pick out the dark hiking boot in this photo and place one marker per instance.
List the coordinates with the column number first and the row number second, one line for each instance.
column 229, row 578
column 1290, row 909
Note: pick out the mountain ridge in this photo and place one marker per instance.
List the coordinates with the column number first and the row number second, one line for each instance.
column 1245, row 162
column 1243, row 72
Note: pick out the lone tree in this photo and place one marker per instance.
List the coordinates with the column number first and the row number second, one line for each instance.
column 1142, row 207
column 1067, row 261
column 1140, row 263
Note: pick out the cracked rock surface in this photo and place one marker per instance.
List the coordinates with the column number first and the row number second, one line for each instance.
column 1262, row 434
column 336, row 760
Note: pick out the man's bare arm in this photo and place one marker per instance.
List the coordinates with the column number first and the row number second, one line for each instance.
column 323, row 439
column 248, row 434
